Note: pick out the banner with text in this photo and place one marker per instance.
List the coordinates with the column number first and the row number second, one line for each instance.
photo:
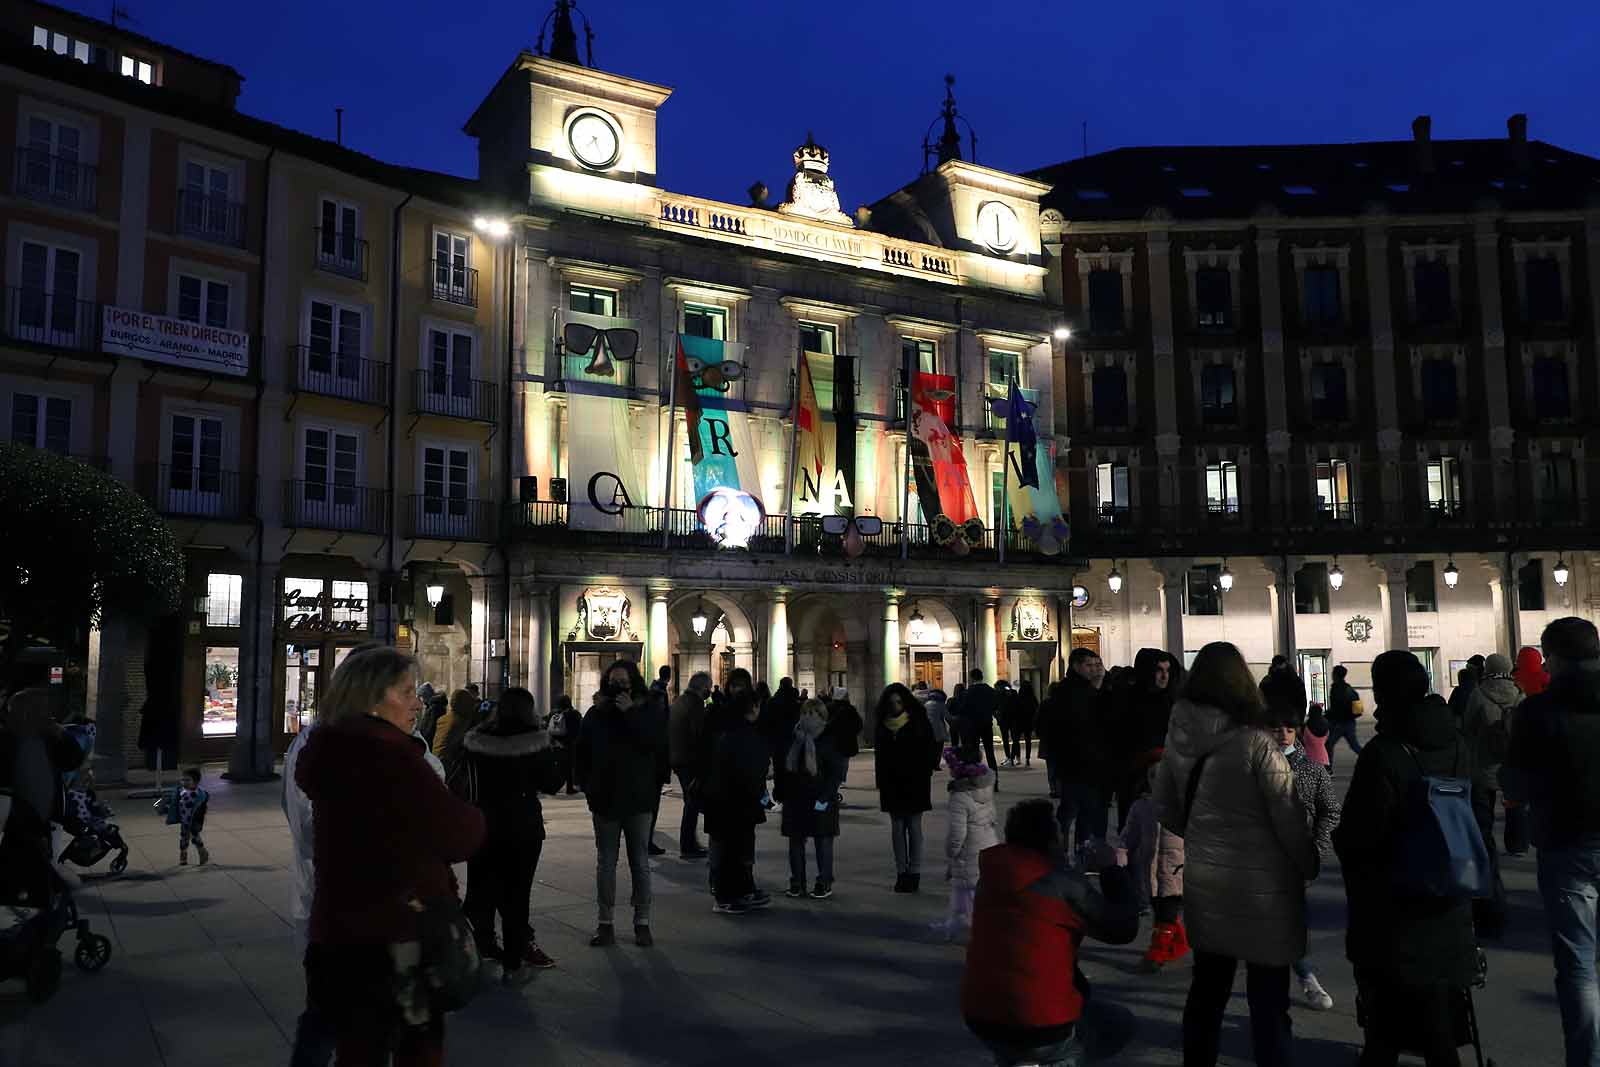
column 182, row 344
column 722, row 459
column 606, row 484
column 822, row 481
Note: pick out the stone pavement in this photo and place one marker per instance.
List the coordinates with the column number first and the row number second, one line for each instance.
column 203, row 971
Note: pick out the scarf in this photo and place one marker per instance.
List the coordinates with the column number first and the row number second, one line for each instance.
column 803, row 753
column 895, row 722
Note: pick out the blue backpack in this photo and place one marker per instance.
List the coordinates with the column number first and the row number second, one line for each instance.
column 1440, row 850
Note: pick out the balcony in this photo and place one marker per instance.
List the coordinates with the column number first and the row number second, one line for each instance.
column 455, row 285
column 335, row 506
column 41, row 318
column 210, row 217
column 438, row 393
column 197, row 491
column 451, row 518
column 342, row 253
column 55, row 179
column 323, row 373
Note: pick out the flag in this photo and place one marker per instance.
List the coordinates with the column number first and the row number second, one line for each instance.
column 822, row 486
column 1020, row 431
column 683, row 390
column 937, row 459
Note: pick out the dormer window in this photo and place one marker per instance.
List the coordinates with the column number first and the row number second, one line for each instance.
column 138, row 69
column 62, row 45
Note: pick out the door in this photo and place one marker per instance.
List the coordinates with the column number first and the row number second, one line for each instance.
column 50, row 161
column 329, row 494
column 47, row 305
column 207, row 198
column 333, row 349
column 1087, row 637
column 446, row 475
column 194, row 466
column 585, row 675
column 1314, row 672
column 450, row 255
column 928, row 668
column 300, row 667
column 450, row 372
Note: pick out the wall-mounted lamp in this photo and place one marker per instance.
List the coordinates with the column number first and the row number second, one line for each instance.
column 435, row 594
column 1451, row 574
column 495, row 228
column 1114, row 579
column 698, row 620
column 1063, row 333
column 1561, row 573
column 1336, row 574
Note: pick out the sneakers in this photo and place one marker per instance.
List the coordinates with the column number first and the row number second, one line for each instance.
column 183, row 859
column 902, row 883
column 643, row 937
column 822, row 890
column 656, row 850
column 537, row 958
column 517, row 977
column 604, row 937
column 759, row 899
column 732, row 907
column 205, row 854
column 1315, row 997
column 797, row 888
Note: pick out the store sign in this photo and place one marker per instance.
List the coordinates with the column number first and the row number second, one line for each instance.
column 183, row 344
column 310, row 614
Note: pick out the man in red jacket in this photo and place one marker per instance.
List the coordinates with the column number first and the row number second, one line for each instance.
column 1022, row 993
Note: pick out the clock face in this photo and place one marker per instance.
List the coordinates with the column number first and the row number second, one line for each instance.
column 998, row 226
column 594, row 138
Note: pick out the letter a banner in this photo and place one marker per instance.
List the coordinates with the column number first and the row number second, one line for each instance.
column 937, row 460
column 605, row 483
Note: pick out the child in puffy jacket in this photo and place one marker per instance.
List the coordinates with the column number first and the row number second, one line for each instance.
column 1155, row 858
column 971, row 829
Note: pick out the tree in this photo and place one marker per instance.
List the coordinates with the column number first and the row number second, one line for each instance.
column 77, row 543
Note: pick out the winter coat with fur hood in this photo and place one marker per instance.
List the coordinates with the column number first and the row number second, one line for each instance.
column 1247, row 850
column 971, row 826
column 507, row 770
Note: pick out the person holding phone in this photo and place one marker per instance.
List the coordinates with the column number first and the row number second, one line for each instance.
column 814, row 770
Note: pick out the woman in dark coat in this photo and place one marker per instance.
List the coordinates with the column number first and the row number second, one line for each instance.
column 1023, row 723
column 815, row 770
column 905, row 757
column 1413, row 955
column 511, row 759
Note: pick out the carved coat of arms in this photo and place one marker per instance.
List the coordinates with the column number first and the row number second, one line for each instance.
column 603, row 614
column 1359, row 629
column 1029, row 621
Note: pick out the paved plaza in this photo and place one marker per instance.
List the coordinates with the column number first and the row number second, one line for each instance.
column 204, row 973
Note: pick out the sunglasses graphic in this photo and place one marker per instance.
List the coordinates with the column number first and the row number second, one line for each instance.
column 707, row 375
column 866, row 525
column 608, row 346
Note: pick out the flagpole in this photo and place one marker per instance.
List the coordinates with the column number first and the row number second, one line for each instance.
column 672, row 440
column 1004, row 524
column 794, row 449
column 905, row 472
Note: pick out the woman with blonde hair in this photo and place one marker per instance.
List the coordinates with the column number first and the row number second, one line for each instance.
column 1226, row 789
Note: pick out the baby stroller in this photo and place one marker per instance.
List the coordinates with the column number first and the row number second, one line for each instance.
column 1464, row 1014
column 92, row 836
column 42, row 905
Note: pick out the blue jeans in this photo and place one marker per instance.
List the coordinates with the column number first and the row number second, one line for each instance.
column 1569, row 880
column 1084, row 804
column 1345, row 729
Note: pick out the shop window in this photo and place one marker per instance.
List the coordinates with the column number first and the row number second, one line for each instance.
column 1431, row 279
column 921, row 355
column 1312, row 593
column 220, row 715
column 349, row 607
column 1330, row 395
column 224, row 596
column 1110, row 397
column 1323, row 307
column 591, row 300
column 1217, row 395
column 1213, row 297
column 1439, row 400
column 1530, row 586
column 1422, row 592
column 702, row 321
column 1542, row 276
column 815, row 337
column 1551, row 397
column 301, row 596
column 1106, row 314
column 1429, row 658
column 1202, row 593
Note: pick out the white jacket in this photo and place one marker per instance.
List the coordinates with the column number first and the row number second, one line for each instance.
column 302, row 863
column 971, row 827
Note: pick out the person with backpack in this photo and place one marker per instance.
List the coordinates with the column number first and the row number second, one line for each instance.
column 1344, row 708
column 1486, row 726
column 1553, row 768
column 1405, row 817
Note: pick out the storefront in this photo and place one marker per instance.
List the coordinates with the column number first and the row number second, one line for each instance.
column 214, row 605
column 323, row 612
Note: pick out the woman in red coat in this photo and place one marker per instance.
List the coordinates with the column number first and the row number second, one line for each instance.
column 385, row 831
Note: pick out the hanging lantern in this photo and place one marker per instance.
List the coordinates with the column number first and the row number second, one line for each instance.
column 1451, row 574
column 698, row 620
column 1114, row 579
column 1225, row 578
column 435, row 594
column 1336, row 574
column 1561, row 573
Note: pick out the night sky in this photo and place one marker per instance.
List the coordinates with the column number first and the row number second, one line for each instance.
column 750, row 80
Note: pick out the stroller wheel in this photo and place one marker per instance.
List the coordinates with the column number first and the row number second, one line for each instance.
column 44, row 975
column 94, row 952
column 119, row 864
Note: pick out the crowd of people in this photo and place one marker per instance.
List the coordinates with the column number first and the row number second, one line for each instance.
column 1219, row 787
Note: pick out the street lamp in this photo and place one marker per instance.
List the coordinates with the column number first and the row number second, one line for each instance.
column 1063, row 333
column 1114, row 579
column 435, row 594
column 1225, row 578
column 1336, row 574
column 495, row 228
column 1451, row 574
column 698, row 620
column 1561, row 574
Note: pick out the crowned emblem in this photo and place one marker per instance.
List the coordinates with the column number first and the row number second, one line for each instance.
column 1359, row 629
column 1028, row 622
column 811, row 191
column 603, row 615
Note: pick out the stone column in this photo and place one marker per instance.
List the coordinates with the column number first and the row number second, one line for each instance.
column 1502, row 574
column 987, row 641
column 536, row 645
column 1174, row 572
column 379, row 627
column 1392, row 593
column 1158, row 244
column 1268, row 284
column 1486, row 258
column 251, row 760
column 107, row 700
column 1281, row 593
column 659, row 654
column 477, row 627
column 777, row 637
column 1375, row 245
column 891, row 638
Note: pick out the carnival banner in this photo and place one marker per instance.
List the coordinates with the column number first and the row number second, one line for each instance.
column 1035, row 506
column 727, row 490
column 937, row 461
column 822, row 485
column 606, row 480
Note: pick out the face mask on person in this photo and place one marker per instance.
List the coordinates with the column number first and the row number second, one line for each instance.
column 1288, row 750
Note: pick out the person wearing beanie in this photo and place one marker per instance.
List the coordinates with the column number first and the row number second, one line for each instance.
column 970, row 830
column 1532, row 679
column 1486, row 726
column 1554, row 766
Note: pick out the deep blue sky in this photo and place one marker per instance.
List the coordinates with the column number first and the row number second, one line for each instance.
column 750, row 79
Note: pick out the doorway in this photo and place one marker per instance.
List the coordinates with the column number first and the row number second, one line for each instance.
column 585, row 678
column 928, row 669
column 1313, row 664
column 1086, row 637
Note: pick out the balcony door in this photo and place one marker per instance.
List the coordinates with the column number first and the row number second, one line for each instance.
column 47, row 306
column 449, row 377
column 50, row 163
column 330, row 496
column 446, row 486
column 194, row 466
column 208, row 199
column 333, row 349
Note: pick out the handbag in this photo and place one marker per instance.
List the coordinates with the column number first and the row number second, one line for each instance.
column 1357, row 708
column 449, row 952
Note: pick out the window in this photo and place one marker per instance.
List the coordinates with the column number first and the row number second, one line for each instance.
column 1110, row 396
column 1333, row 488
column 452, row 255
column 1222, row 488
column 1557, row 487
column 1422, row 594
column 1322, row 304
column 1105, row 302
column 446, row 475
column 224, row 595
column 41, row 421
column 814, row 337
column 203, row 300
column 922, row 355
column 138, row 69
column 1311, row 590
column 1546, row 303
column 1431, row 279
column 349, row 603
column 1216, row 394
column 330, row 465
column 702, row 321
column 1111, row 491
column 1202, row 594
column 592, row 300
column 219, row 717
column 1430, row 664
column 1330, row 397
column 48, row 301
column 62, row 45
column 1000, row 515
column 1530, row 586
column 333, row 340
column 194, row 465
column 49, row 161
column 205, row 203
column 338, row 237
column 1551, row 397
column 1004, row 367
column 1438, row 378
column 1213, row 297
column 449, row 364
column 1444, row 485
